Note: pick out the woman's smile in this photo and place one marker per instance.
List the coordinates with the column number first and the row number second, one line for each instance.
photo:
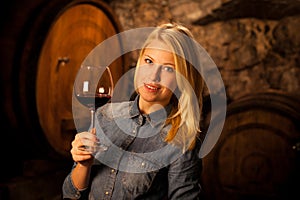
column 151, row 87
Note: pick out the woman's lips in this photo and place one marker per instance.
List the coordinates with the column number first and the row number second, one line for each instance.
column 151, row 87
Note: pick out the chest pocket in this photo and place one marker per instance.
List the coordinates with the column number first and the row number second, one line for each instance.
column 141, row 176
column 137, row 183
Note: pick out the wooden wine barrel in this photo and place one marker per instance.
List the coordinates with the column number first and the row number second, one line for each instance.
column 73, row 30
column 257, row 154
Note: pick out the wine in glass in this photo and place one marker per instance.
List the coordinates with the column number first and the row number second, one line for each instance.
column 93, row 87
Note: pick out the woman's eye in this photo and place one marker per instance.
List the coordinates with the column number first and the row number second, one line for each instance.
column 168, row 69
column 148, row 61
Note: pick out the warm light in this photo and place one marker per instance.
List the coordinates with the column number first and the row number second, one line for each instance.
column 85, row 86
column 101, row 90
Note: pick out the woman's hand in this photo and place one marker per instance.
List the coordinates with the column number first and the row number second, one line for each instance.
column 82, row 147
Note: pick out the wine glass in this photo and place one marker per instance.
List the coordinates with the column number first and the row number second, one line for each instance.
column 93, row 87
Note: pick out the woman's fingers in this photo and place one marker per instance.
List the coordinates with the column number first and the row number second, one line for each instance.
column 85, row 143
column 79, row 154
column 87, row 136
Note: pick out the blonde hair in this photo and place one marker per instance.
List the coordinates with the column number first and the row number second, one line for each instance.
column 187, row 106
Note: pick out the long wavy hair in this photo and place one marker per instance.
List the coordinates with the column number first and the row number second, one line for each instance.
column 187, row 98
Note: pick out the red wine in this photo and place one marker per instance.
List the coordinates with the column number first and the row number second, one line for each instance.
column 93, row 101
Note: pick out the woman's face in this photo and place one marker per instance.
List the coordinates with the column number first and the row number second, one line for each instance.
column 156, row 75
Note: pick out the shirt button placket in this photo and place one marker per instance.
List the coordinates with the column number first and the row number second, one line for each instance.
column 135, row 130
column 108, row 190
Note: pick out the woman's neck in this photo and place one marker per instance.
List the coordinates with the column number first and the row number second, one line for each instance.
column 149, row 107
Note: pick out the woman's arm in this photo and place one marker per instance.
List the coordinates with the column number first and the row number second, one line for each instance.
column 80, row 176
column 78, row 180
column 75, row 189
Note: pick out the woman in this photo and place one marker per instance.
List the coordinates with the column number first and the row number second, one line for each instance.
column 153, row 140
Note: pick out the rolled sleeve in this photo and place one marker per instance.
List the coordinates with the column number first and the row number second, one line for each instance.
column 69, row 190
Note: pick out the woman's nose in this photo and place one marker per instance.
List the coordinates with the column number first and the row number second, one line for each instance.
column 155, row 73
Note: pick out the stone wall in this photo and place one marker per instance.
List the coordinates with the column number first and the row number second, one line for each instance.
column 253, row 53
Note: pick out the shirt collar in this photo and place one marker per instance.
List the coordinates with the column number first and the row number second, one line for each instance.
column 153, row 118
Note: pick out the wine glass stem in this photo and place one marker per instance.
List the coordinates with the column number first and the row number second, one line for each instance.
column 92, row 118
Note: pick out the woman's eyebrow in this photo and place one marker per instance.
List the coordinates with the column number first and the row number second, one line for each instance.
column 146, row 55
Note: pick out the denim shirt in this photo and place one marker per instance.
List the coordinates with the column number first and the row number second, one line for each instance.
column 138, row 163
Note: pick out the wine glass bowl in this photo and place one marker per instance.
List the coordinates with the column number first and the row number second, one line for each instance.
column 93, row 87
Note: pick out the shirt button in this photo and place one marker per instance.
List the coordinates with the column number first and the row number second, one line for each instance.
column 112, row 170
column 143, row 164
column 106, row 193
column 133, row 131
